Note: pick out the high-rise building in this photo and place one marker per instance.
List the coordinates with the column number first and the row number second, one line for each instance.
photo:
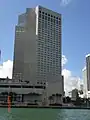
column 37, row 49
column 84, row 80
column 88, row 71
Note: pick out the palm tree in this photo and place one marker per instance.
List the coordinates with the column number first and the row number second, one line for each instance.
column 50, row 98
column 53, row 96
column 56, row 97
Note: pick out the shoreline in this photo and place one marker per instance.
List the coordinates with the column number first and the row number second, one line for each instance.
column 49, row 107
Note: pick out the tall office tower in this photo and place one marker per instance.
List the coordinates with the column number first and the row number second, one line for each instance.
column 85, row 80
column 88, row 71
column 37, row 53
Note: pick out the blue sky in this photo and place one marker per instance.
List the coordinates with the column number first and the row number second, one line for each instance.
column 75, row 28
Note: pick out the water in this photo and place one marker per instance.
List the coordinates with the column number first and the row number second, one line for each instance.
column 44, row 114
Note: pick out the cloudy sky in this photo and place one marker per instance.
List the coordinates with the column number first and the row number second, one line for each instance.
column 75, row 34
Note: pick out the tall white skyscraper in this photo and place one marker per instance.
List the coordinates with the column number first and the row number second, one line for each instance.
column 37, row 49
column 85, row 80
column 88, row 71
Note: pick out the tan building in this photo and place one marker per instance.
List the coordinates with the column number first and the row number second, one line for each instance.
column 37, row 49
column 74, row 94
column 88, row 71
column 85, row 81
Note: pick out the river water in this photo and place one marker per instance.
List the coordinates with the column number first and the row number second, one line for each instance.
column 44, row 114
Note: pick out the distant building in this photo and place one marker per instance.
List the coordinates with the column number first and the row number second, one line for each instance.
column 37, row 49
column 88, row 71
column 82, row 87
column 74, row 94
column 88, row 94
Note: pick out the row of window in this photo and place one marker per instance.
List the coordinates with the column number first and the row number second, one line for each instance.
column 49, row 30
column 17, row 86
column 50, row 71
column 48, row 23
column 44, row 25
column 40, row 75
column 48, row 61
column 51, row 65
column 48, row 52
column 49, row 38
column 53, row 21
column 49, row 46
column 45, row 68
column 48, row 43
column 48, row 56
column 50, row 15
column 49, row 35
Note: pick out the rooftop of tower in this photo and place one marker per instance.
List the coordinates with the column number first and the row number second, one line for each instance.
column 84, row 68
column 88, row 55
column 48, row 9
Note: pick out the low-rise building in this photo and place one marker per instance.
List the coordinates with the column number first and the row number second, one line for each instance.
column 74, row 94
column 21, row 92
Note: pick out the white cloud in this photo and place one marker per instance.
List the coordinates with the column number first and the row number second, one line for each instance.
column 6, row 69
column 64, row 2
column 64, row 60
column 70, row 82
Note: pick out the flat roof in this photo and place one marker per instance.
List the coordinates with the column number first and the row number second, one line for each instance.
column 88, row 55
column 84, row 68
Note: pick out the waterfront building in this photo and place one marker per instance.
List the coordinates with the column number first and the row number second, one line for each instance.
column 21, row 92
column 88, row 71
column 74, row 94
column 37, row 49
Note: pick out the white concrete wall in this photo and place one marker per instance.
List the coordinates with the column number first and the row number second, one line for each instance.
column 32, row 98
column 21, row 90
column 56, row 86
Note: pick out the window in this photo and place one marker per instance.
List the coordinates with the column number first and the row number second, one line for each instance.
column 57, row 22
column 39, row 11
column 42, row 25
column 48, row 18
column 42, row 16
column 54, row 20
column 51, row 20
column 45, row 17
column 46, row 25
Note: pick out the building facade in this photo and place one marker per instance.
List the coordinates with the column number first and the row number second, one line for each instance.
column 74, row 94
column 88, row 71
column 21, row 92
column 37, row 49
column 85, row 81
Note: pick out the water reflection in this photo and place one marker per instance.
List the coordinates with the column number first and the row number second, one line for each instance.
column 44, row 114
column 73, row 115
